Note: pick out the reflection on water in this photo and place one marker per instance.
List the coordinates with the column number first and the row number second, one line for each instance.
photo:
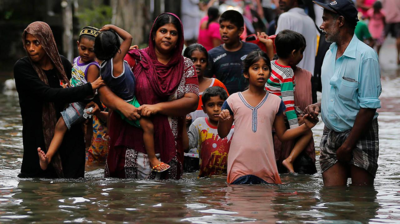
column 301, row 199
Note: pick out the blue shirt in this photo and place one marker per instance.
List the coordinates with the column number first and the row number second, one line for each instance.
column 227, row 66
column 124, row 85
column 349, row 83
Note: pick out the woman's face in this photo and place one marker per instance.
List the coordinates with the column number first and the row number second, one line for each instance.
column 166, row 38
column 34, row 48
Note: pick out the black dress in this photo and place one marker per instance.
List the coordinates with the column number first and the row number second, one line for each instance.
column 32, row 94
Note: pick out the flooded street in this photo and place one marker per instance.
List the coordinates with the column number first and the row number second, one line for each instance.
column 191, row 200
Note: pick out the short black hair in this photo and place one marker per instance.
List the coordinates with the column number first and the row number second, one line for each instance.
column 213, row 91
column 106, row 44
column 253, row 57
column 233, row 17
column 287, row 40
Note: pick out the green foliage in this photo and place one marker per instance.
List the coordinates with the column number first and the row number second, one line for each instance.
column 97, row 17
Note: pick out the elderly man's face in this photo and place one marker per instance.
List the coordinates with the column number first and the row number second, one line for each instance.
column 330, row 26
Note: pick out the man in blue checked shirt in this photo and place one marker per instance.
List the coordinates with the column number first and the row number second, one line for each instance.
column 350, row 96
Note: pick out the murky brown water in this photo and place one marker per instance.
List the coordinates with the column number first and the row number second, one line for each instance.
column 192, row 200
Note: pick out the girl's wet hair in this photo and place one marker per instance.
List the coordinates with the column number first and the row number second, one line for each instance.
column 106, row 45
column 164, row 19
column 254, row 57
column 195, row 47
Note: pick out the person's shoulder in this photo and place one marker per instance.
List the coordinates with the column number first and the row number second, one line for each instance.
column 302, row 72
column 22, row 62
column 187, row 62
column 250, row 46
column 199, row 121
column 233, row 96
column 217, row 82
column 64, row 59
column 286, row 16
column 365, row 51
column 274, row 98
column 215, row 51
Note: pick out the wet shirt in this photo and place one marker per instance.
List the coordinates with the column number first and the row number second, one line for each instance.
column 228, row 66
column 212, row 149
column 79, row 72
column 124, row 85
column 349, row 83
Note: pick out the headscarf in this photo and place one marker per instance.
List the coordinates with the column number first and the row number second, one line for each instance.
column 164, row 80
column 43, row 33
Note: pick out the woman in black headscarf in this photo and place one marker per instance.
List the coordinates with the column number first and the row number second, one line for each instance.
column 39, row 79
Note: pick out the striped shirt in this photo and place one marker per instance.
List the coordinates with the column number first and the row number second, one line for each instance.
column 281, row 83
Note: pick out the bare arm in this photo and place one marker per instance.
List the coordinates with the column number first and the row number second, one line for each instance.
column 363, row 119
column 284, row 134
column 269, row 44
column 225, row 123
column 124, row 48
column 113, row 102
column 175, row 108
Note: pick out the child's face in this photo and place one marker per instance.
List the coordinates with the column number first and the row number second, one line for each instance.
column 200, row 62
column 229, row 32
column 258, row 74
column 86, row 50
column 213, row 108
column 297, row 56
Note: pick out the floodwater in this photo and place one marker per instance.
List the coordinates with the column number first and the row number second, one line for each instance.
column 190, row 200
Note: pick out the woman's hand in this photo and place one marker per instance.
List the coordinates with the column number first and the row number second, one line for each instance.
column 99, row 82
column 224, row 115
column 95, row 107
column 130, row 112
column 148, row 110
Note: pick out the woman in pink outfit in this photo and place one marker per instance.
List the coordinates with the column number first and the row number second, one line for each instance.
column 209, row 35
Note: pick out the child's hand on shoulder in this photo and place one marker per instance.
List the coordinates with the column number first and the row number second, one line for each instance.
column 224, row 115
column 99, row 82
column 310, row 122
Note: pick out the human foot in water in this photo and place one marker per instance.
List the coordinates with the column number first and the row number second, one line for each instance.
column 158, row 166
column 288, row 165
column 43, row 160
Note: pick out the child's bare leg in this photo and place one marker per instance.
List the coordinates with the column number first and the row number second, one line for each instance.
column 59, row 132
column 300, row 145
column 148, row 139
